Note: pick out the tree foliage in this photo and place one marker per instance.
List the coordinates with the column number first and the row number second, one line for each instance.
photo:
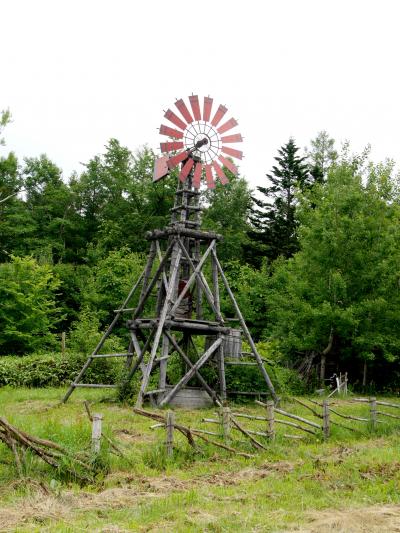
column 274, row 212
column 340, row 294
column 28, row 312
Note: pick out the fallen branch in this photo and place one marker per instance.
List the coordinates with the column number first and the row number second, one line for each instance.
column 223, row 446
column 254, row 441
column 49, row 451
column 349, row 417
column 314, row 412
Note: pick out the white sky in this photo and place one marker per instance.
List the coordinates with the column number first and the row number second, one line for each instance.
column 76, row 73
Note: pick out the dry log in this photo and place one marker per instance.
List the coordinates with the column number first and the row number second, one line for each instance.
column 387, row 414
column 388, row 404
column 223, row 446
column 314, row 412
column 299, row 418
column 349, row 417
column 292, row 424
column 255, row 442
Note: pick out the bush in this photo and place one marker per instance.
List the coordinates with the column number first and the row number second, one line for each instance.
column 52, row 370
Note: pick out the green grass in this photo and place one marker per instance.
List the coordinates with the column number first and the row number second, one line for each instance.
column 277, row 490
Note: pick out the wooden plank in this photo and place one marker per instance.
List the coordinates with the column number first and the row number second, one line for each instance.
column 100, row 355
column 221, row 370
column 251, row 417
column 95, row 386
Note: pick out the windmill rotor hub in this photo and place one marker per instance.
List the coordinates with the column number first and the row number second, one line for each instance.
column 200, row 142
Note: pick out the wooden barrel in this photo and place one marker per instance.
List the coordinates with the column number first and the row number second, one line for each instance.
column 232, row 343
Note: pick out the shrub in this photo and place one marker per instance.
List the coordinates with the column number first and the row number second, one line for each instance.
column 52, row 370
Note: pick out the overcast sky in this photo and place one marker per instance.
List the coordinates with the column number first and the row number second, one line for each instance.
column 76, row 73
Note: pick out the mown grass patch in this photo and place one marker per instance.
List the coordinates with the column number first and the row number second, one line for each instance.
column 276, row 490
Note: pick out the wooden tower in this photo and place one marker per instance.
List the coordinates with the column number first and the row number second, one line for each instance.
column 181, row 283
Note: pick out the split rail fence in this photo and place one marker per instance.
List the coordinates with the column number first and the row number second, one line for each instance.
column 229, row 426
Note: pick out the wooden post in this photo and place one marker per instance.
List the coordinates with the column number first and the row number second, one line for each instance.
column 161, row 322
column 63, row 344
column 169, row 427
column 163, row 364
column 271, row 419
column 325, row 419
column 96, row 432
column 221, row 370
column 372, row 403
column 345, row 383
column 225, row 415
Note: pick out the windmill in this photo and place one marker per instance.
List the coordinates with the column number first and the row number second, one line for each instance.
column 186, row 320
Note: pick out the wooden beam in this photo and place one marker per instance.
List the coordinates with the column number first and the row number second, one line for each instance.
column 191, row 372
column 245, row 329
column 160, row 327
column 207, row 388
column 192, row 277
column 143, row 299
column 202, row 282
column 102, row 340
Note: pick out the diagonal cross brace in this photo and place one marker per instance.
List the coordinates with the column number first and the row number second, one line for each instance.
column 246, row 330
column 161, row 324
column 202, row 282
column 103, row 339
column 192, row 277
column 191, row 372
column 208, row 389
column 160, row 269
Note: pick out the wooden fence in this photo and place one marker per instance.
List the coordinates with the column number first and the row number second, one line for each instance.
column 228, row 423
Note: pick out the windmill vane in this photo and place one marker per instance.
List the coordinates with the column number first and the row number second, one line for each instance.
column 197, row 141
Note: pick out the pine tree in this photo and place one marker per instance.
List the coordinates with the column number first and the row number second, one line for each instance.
column 274, row 214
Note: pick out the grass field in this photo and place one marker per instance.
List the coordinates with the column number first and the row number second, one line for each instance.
column 350, row 483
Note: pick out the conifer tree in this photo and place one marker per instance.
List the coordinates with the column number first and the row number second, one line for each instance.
column 274, row 211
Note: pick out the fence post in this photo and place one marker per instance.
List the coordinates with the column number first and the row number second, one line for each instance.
column 271, row 419
column 225, row 415
column 96, row 432
column 169, row 426
column 325, row 419
column 372, row 404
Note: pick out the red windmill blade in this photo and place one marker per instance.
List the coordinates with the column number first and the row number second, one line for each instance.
column 199, row 142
